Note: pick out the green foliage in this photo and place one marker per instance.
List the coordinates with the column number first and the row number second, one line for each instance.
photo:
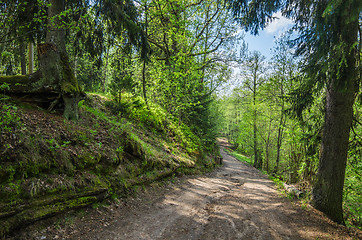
column 4, row 86
column 155, row 119
column 352, row 197
column 122, row 74
column 146, row 139
column 277, row 181
column 9, row 121
column 241, row 157
column 53, row 145
column 88, row 76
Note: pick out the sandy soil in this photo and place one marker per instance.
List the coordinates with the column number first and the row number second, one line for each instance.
column 234, row 202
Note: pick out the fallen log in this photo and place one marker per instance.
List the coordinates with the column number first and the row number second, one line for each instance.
column 21, row 87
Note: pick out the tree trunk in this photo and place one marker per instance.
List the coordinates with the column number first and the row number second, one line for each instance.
column 280, row 138
column 144, row 82
column 104, row 81
column 256, row 156
column 256, row 164
column 54, row 63
column 22, row 57
column 2, row 47
column 76, row 66
column 31, row 58
column 55, row 82
column 267, row 157
column 281, row 124
column 56, row 32
column 267, row 146
column 278, row 149
column 328, row 190
column 144, row 61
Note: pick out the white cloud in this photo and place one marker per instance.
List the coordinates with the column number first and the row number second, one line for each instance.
column 279, row 24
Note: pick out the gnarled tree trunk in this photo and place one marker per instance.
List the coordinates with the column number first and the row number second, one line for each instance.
column 54, row 83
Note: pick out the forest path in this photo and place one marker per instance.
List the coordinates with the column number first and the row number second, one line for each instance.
column 234, row 202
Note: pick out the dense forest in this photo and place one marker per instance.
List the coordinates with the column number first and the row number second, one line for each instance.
column 141, row 88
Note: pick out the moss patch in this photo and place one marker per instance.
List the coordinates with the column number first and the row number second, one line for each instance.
column 69, row 82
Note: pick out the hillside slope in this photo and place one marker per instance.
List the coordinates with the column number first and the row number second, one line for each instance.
column 236, row 201
column 49, row 165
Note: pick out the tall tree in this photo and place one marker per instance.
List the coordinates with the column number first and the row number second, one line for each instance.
column 254, row 69
column 20, row 23
column 329, row 42
column 54, row 64
column 284, row 70
column 56, row 78
column 185, row 38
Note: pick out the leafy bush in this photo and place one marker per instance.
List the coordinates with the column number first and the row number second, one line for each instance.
column 352, row 197
column 9, row 120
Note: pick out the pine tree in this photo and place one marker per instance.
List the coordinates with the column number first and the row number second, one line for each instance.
column 329, row 42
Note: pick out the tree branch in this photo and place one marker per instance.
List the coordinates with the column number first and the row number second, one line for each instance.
column 207, row 52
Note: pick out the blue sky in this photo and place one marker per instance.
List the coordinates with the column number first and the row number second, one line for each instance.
column 263, row 43
column 265, row 40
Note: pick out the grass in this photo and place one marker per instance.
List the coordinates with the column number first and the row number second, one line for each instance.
column 240, row 157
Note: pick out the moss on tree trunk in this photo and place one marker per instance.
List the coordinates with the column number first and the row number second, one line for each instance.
column 54, row 83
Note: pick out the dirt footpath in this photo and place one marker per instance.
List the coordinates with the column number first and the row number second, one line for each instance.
column 233, row 202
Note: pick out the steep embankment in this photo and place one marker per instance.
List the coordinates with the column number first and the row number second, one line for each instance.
column 49, row 165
